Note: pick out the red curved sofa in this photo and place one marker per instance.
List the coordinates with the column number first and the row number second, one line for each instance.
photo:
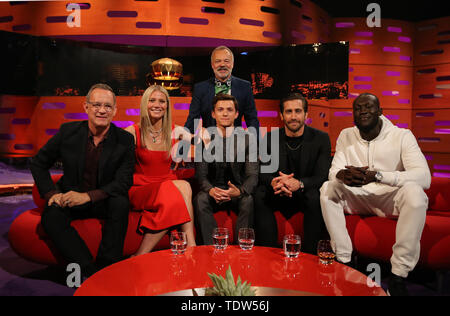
column 28, row 239
column 372, row 237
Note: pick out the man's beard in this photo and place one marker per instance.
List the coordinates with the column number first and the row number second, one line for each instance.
column 300, row 125
column 368, row 128
column 223, row 76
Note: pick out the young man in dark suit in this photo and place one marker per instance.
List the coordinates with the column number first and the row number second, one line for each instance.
column 228, row 173
column 304, row 155
column 222, row 62
column 98, row 163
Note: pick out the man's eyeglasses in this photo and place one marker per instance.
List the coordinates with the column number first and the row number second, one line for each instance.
column 97, row 106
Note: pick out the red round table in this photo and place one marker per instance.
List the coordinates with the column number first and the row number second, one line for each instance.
column 162, row 272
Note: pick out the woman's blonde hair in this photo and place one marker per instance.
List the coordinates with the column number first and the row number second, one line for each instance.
column 145, row 122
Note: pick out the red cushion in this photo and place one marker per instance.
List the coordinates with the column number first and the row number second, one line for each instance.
column 435, row 243
column 186, row 174
column 374, row 237
column 28, row 239
column 438, row 213
column 438, row 194
column 292, row 225
column 226, row 219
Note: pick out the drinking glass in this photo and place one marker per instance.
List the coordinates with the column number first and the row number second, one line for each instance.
column 291, row 245
column 325, row 252
column 220, row 238
column 178, row 242
column 246, row 238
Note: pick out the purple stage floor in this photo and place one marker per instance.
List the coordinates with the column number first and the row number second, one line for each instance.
column 19, row 277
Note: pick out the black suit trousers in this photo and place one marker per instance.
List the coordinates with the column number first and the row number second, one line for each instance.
column 308, row 202
column 113, row 210
column 205, row 206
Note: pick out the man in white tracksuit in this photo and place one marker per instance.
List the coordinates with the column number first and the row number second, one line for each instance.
column 378, row 169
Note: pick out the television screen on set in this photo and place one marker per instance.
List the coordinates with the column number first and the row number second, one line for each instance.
column 60, row 67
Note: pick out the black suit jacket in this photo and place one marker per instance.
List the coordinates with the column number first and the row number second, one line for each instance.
column 116, row 163
column 204, row 93
column 315, row 158
column 245, row 174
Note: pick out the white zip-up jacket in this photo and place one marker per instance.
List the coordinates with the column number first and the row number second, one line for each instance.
column 394, row 152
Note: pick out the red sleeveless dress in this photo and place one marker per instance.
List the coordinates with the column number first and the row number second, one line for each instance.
column 153, row 192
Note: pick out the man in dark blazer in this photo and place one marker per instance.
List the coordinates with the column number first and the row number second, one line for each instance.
column 228, row 172
column 304, row 160
column 98, row 164
column 222, row 62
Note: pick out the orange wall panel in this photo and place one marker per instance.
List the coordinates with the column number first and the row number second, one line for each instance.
column 15, row 124
column 432, row 86
column 432, row 42
column 308, row 24
column 39, row 118
column 431, row 93
column 270, row 22
column 343, row 118
column 432, row 128
column 439, row 164
column 380, row 62
column 392, row 84
column 390, row 44
column 374, row 69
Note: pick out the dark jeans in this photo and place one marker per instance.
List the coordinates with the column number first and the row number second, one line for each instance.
column 307, row 202
column 205, row 206
column 114, row 211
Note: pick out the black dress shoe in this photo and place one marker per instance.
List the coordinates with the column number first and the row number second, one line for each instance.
column 397, row 286
column 88, row 271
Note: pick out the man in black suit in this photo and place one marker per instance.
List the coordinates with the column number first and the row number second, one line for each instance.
column 222, row 62
column 304, row 160
column 98, row 163
column 228, row 172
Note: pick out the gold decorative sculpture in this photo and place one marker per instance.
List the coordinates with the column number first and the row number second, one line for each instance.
column 166, row 72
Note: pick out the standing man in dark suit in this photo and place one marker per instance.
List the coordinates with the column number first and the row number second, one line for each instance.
column 222, row 62
column 304, row 161
column 98, row 163
column 228, row 172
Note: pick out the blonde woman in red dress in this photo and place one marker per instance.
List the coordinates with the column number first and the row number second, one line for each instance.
column 165, row 201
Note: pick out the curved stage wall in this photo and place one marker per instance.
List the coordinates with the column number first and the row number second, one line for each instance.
column 405, row 64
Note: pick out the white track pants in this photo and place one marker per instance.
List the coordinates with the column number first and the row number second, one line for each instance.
column 409, row 203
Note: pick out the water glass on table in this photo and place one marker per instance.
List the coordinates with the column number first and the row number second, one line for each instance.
column 246, row 238
column 178, row 242
column 291, row 245
column 325, row 252
column 220, row 238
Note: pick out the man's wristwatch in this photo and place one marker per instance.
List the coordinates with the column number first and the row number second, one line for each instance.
column 302, row 186
column 378, row 176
